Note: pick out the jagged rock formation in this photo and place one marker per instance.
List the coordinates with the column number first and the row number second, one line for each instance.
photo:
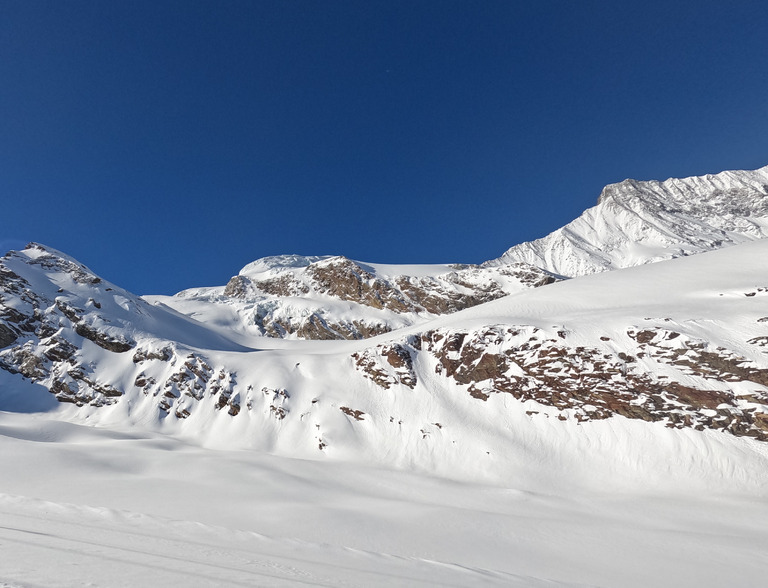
column 337, row 298
column 641, row 222
column 58, row 321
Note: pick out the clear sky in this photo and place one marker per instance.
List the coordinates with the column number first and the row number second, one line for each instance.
column 167, row 144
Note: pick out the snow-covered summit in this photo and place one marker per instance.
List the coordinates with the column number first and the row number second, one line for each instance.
column 334, row 297
column 279, row 262
column 638, row 222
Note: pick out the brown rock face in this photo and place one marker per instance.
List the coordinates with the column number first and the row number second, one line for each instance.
column 387, row 365
column 316, row 327
column 103, row 340
column 282, row 286
column 7, row 336
column 237, row 287
column 355, row 414
column 588, row 383
column 343, row 279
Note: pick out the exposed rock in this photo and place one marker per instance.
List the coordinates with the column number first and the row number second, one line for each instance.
column 316, row 327
column 278, row 398
column 237, row 287
column 591, row 384
column 103, row 340
column 49, row 261
column 59, row 350
column 23, row 360
column 7, row 336
column 73, row 314
column 284, row 285
column 341, row 278
column 355, row 414
column 162, row 354
column 387, row 365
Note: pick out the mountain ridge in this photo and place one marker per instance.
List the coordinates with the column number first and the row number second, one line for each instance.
column 437, row 396
column 637, row 222
column 672, row 352
column 333, row 297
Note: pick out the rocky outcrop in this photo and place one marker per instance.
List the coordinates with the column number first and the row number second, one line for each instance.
column 387, row 365
column 589, row 382
column 114, row 344
column 7, row 336
column 318, row 328
column 319, row 282
column 41, row 332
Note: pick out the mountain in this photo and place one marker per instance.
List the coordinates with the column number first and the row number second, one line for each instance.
column 642, row 222
column 678, row 345
column 325, row 421
column 332, row 297
column 434, row 354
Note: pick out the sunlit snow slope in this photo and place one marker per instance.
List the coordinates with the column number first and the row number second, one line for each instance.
column 640, row 222
column 663, row 363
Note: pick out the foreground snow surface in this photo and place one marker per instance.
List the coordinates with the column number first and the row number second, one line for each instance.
column 87, row 506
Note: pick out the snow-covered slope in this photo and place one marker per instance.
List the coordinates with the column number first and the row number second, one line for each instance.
column 63, row 325
column 640, row 222
column 663, row 363
column 557, row 436
column 293, row 296
column 324, row 297
column 119, row 506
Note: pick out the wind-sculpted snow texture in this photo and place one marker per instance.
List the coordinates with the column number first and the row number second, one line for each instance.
column 641, row 222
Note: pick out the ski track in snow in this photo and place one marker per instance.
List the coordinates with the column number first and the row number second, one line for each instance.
column 173, row 552
column 101, row 509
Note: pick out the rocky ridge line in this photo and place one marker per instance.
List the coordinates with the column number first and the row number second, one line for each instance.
column 638, row 222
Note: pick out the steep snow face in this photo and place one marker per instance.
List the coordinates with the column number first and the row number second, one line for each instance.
column 332, row 297
column 641, row 222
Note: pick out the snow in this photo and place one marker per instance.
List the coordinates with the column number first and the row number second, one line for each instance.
column 124, row 507
column 274, row 264
column 428, row 485
column 641, row 222
column 492, row 496
column 254, row 309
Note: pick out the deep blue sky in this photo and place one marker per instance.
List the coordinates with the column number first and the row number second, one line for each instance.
column 167, row 144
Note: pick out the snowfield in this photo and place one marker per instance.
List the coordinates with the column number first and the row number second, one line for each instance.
column 107, row 507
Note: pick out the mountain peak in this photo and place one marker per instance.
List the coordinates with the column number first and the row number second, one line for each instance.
column 637, row 222
column 279, row 262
